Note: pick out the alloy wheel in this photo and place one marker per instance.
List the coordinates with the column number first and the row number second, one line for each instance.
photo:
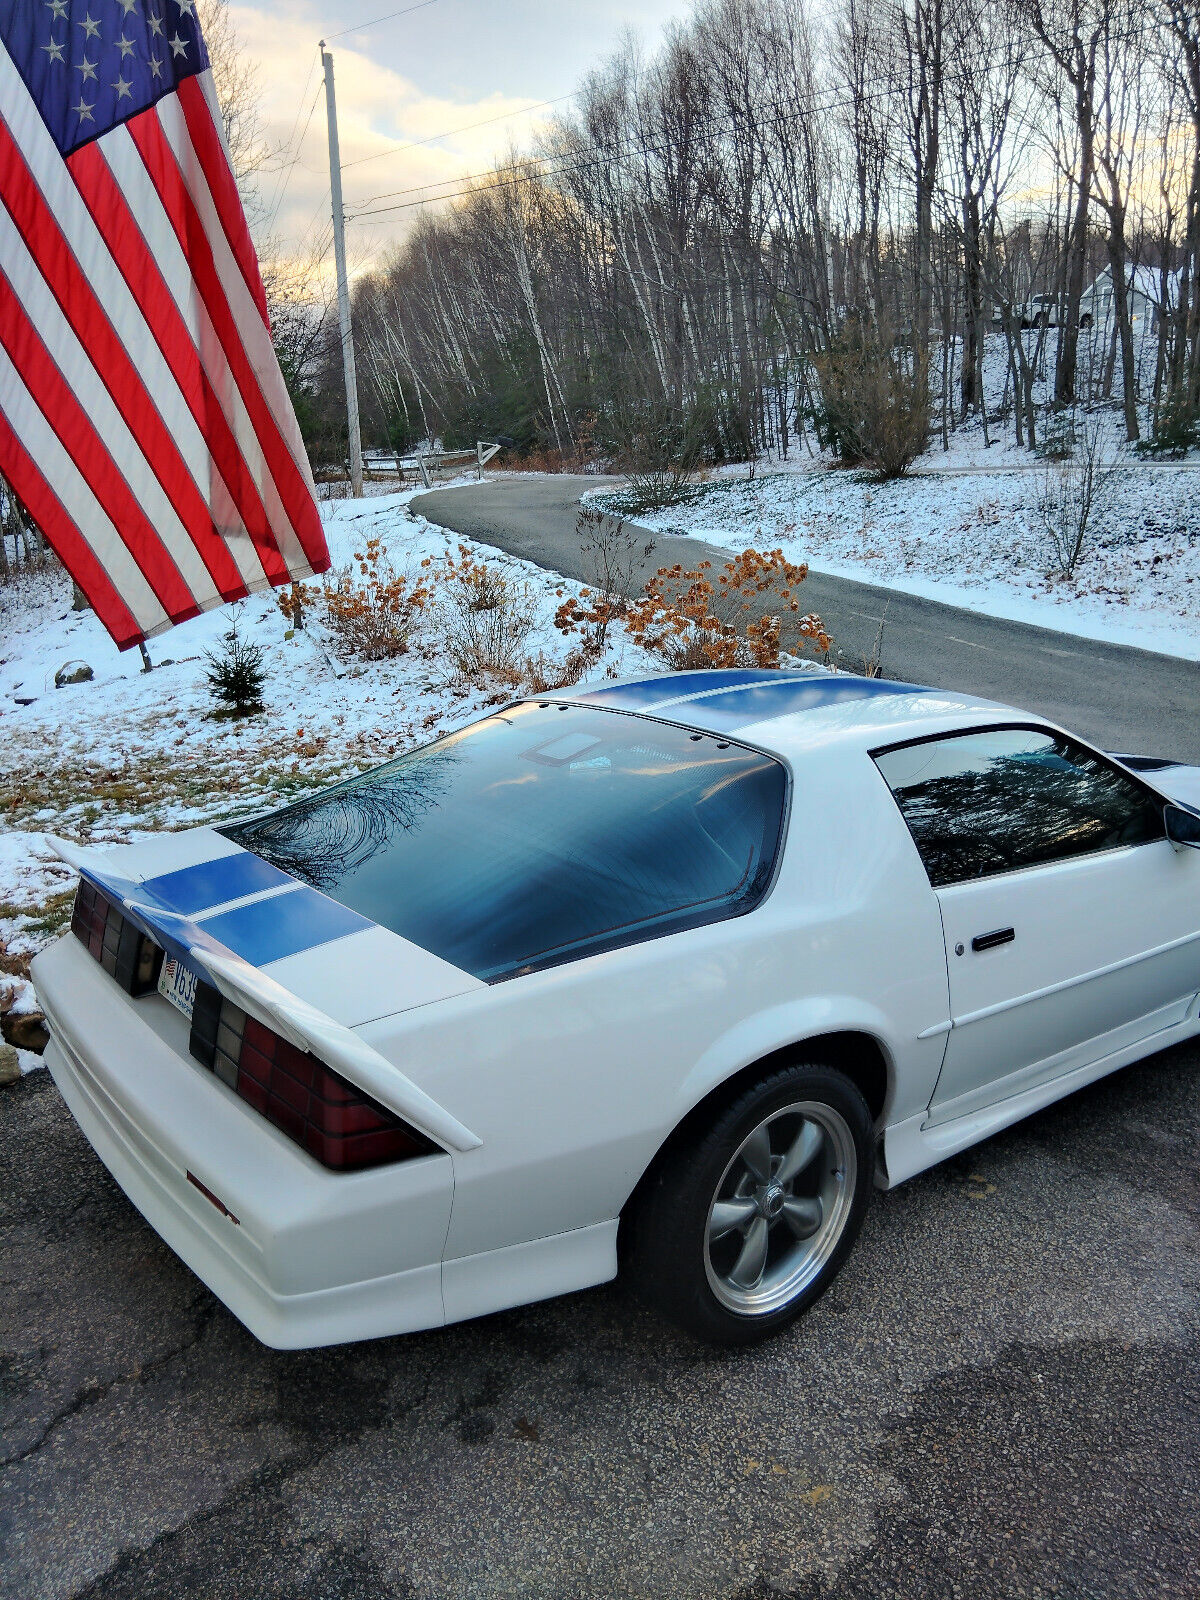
column 780, row 1208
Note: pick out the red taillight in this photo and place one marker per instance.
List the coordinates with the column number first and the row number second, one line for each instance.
column 332, row 1119
column 118, row 944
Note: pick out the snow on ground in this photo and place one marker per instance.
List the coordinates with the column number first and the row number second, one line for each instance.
column 966, row 529
column 976, row 539
column 128, row 753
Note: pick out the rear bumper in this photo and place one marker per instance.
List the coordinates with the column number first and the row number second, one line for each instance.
column 314, row 1257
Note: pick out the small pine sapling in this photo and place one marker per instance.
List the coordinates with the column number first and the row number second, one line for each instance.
column 236, row 676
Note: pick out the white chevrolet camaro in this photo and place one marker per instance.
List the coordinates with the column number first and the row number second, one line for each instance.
column 664, row 975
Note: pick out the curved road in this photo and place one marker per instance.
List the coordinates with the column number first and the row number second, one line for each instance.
column 1121, row 698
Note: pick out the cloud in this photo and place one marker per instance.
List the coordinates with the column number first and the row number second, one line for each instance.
column 378, row 108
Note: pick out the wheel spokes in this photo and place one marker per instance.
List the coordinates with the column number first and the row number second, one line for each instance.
column 803, row 1148
column 779, row 1208
column 756, row 1153
column 748, row 1268
column 803, row 1216
column 728, row 1215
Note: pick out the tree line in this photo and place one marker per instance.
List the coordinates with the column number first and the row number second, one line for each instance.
column 723, row 233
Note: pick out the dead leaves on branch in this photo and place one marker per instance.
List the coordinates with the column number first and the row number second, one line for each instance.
column 705, row 618
column 455, row 607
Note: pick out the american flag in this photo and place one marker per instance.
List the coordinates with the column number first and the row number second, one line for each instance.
column 144, row 421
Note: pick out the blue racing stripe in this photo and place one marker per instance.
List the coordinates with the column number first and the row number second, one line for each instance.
column 792, row 692
column 649, row 692
column 730, row 699
column 283, row 925
column 190, row 890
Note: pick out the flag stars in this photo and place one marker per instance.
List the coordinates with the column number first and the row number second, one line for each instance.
column 125, row 46
column 88, row 68
column 83, row 111
column 155, row 67
column 90, row 27
column 124, row 89
column 54, row 50
column 187, row 6
column 178, row 45
column 57, row 8
column 156, row 24
column 127, row 5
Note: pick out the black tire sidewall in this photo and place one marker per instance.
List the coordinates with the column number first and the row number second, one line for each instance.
column 667, row 1256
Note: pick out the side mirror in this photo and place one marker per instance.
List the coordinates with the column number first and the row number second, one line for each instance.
column 1183, row 827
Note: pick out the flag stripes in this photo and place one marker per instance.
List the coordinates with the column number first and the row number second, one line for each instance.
column 203, row 121
column 83, row 444
column 231, row 441
column 90, row 327
column 38, row 459
column 214, row 285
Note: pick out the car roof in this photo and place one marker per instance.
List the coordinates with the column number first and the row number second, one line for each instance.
column 789, row 710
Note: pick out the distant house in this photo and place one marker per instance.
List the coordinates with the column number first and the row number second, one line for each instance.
column 1151, row 292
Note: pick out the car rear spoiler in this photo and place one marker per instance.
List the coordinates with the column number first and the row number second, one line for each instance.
column 269, row 1002
column 337, row 1046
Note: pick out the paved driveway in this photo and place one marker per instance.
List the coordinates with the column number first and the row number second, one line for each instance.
column 999, row 1398
column 1122, row 699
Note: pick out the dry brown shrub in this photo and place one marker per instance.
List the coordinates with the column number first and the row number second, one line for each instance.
column 582, row 456
column 692, row 621
column 550, row 460
column 874, row 408
column 369, row 607
column 485, row 617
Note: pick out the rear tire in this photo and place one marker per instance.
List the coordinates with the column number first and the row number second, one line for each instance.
column 747, row 1223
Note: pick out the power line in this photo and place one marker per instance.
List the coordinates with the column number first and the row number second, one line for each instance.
column 632, row 142
column 449, row 133
column 360, row 27
column 291, row 165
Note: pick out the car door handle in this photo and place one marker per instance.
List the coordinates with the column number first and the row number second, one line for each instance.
column 989, row 941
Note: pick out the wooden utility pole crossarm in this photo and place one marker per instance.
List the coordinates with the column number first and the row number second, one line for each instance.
column 343, row 286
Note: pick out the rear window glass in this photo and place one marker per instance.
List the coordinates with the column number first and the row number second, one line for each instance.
column 540, row 835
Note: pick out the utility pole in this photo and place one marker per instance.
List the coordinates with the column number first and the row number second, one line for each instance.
column 343, row 287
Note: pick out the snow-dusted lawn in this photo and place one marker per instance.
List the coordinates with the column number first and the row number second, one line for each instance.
column 128, row 753
column 974, row 538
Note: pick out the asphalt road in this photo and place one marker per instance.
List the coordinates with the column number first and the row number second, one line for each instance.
column 998, row 1400
column 1121, row 699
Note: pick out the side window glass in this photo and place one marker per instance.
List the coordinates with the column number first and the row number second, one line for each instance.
column 1006, row 798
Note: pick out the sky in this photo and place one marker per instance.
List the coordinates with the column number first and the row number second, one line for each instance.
column 428, row 77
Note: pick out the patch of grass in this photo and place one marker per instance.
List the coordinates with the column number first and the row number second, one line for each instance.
column 52, row 917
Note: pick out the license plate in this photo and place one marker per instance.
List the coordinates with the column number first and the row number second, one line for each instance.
column 177, row 983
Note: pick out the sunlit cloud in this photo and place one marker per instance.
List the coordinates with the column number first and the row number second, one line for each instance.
column 379, row 109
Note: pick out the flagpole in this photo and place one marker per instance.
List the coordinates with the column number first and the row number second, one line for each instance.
column 343, row 287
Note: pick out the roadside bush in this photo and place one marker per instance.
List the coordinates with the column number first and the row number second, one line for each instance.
column 484, row 617
column 370, row 608
column 874, row 407
column 1176, row 429
column 236, row 676
column 659, row 447
column 693, row 621
column 1073, row 492
column 1058, row 439
column 612, row 556
column 582, row 455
